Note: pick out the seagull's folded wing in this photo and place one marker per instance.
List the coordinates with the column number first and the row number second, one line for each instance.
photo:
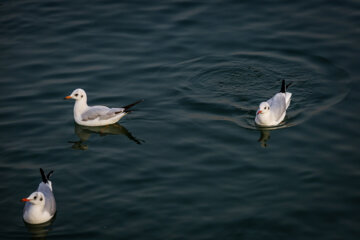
column 50, row 204
column 101, row 112
column 278, row 105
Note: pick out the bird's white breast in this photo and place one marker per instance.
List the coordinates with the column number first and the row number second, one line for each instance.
column 34, row 214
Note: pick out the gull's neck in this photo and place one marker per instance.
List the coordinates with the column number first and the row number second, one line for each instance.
column 79, row 107
column 34, row 211
column 36, row 208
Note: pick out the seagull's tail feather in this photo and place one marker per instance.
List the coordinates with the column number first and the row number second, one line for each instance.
column 126, row 108
column 44, row 177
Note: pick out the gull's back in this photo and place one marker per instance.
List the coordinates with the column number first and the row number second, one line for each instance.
column 101, row 112
column 50, row 204
column 278, row 106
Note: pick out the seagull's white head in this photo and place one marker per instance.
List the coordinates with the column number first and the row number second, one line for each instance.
column 264, row 108
column 77, row 94
column 36, row 198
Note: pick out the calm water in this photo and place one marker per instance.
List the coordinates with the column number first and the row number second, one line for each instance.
column 189, row 162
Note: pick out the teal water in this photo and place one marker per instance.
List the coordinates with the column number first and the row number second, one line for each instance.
column 188, row 162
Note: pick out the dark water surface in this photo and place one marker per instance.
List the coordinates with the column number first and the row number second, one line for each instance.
column 189, row 162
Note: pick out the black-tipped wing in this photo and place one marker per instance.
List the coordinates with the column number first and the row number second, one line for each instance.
column 101, row 112
column 288, row 85
column 44, row 179
column 127, row 107
column 49, row 174
column 104, row 113
column 283, row 86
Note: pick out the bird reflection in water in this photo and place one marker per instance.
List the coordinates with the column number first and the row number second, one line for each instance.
column 264, row 136
column 84, row 133
column 265, row 133
column 40, row 231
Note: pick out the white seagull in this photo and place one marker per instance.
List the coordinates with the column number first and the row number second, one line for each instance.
column 273, row 111
column 95, row 115
column 40, row 206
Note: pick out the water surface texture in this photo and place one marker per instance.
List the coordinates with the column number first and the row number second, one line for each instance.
column 188, row 162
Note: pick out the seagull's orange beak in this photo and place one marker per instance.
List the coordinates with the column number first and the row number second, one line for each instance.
column 67, row 97
column 25, row 200
column 258, row 112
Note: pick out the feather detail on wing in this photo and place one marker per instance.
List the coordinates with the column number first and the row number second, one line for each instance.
column 277, row 105
column 288, row 99
column 270, row 101
column 50, row 204
column 101, row 112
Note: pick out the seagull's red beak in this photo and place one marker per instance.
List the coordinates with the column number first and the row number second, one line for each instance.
column 258, row 112
column 67, row 97
column 25, row 200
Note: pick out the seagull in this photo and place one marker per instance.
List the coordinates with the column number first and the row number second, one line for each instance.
column 273, row 111
column 40, row 206
column 95, row 115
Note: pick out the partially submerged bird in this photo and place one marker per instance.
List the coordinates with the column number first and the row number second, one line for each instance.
column 273, row 111
column 95, row 115
column 40, row 206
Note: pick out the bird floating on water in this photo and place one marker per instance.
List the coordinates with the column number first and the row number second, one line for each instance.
column 95, row 115
column 273, row 111
column 40, row 206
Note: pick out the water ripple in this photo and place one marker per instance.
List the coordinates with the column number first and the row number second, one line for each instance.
column 234, row 86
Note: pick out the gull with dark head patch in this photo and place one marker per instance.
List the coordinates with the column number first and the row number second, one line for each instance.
column 96, row 115
column 40, row 206
column 273, row 111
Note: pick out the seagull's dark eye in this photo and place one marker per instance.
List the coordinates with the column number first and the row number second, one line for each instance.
column 40, row 199
column 76, row 95
column 35, row 198
column 81, row 96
